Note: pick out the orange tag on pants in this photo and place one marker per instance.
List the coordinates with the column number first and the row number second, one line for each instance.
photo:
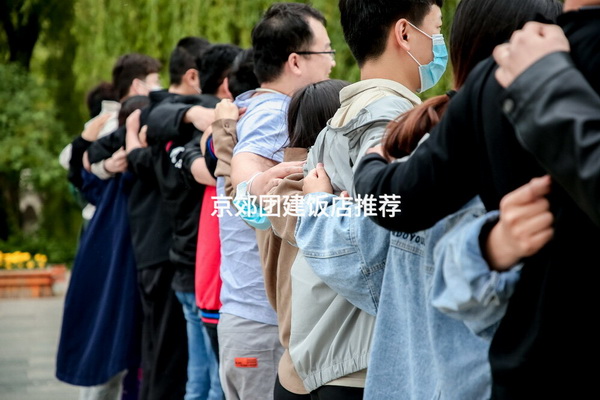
column 246, row 362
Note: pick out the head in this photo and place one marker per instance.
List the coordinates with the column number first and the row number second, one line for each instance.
column 478, row 26
column 216, row 65
column 130, row 105
column 481, row 25
column 310, row 108
column 135, row 74
column 185, row 62
column 291, row 39
column 241, row 78
column 381, row 17
column 95, row 97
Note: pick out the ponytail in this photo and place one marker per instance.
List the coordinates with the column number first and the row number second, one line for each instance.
column 404, row 133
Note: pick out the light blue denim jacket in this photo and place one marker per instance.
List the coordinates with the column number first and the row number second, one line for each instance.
column 417, row 352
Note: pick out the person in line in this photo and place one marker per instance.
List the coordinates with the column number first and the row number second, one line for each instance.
column 101, row 306
column 535, row 339
column 309, row 110
column 404, row 38
column 416, row 346
column 291, row 49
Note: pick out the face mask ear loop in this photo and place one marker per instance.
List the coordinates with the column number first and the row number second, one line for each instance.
column 413, row 57
column 411, row 24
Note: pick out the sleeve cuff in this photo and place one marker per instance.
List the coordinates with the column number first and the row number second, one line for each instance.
column 527, row 85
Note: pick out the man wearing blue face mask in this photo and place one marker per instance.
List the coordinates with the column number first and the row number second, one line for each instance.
column 401, row 53
column 431, row 73
column 386, row 37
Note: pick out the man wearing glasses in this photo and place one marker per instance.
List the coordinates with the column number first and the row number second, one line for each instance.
column 291, row 50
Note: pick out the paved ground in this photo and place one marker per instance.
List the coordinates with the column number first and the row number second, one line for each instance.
column 29, row 330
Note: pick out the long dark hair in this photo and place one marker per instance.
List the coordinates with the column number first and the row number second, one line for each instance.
column 310, row 109
column 478, row 27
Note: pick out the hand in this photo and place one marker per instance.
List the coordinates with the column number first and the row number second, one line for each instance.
column 200, row 117
column 527, row 46
column 144, row 136
column 267, row 180
column 227, row 110
column 132, row 140
column 525, row 225
column 117, row 162
column 133, row 121
column 317, row 181
column 95, row 126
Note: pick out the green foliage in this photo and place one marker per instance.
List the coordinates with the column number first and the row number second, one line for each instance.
column 31, row 139
column 77, row 43
column 29, row 127
column 108, row 28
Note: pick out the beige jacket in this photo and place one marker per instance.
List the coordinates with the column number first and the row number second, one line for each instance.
column 278, row 250
column 276, row 244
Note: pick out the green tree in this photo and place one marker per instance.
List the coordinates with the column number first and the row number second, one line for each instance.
column 32, row 99
column 65, row 47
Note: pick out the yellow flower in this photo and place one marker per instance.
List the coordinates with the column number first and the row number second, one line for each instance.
column 19, row 259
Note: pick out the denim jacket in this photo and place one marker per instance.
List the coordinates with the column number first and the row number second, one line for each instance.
column 418, row 352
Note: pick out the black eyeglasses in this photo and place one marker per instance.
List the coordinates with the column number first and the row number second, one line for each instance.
column 330, row 52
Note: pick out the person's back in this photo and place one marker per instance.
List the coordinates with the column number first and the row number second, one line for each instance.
column 538, row 337
column 366, row 109
column 550, row 300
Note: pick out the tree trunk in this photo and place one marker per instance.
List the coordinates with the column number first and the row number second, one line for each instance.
column 22, row 31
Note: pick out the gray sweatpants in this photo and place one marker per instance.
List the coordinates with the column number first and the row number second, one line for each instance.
column 249, row 354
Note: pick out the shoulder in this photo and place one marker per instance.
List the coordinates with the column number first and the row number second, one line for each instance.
column 388, row 108
column 266, row 116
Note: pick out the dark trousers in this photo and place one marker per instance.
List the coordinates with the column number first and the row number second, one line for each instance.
column 164, row 336
column 211, row 330
column 337, row 393
column 281, row 393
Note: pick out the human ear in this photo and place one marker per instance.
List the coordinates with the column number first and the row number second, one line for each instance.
column 401, row 34
column 138, row 88
column 192, row 77
column 293, row 62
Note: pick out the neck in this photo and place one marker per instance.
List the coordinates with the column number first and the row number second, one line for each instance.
column 182, row 89
column 386, row 68
column 280, row 85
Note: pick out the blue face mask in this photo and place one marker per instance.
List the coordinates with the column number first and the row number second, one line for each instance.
column 431, row 73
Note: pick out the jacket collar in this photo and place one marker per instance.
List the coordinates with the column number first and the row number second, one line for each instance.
column 394, row 88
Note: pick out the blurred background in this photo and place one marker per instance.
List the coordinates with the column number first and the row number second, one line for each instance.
column 53, row 51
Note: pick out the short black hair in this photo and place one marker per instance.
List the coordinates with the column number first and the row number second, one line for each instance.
column 186, row 55
column 367, row 24
column 129, row 67
column 96, row 95
column 242, row 77
column 216, row 64
column 283, row 30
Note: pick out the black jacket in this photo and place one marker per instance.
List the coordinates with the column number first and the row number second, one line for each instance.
column 555, row 107
column 540, row 345
column 174, row 143
column 151, row 231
